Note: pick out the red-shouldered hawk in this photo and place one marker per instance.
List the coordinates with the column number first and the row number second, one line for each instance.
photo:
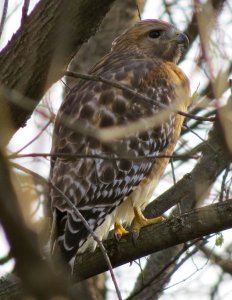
column 114, row 192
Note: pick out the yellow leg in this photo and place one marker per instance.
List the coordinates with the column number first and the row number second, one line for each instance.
column 140, row 221
column 119, row 230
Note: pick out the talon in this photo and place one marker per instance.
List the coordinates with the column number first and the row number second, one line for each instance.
column 119, row 231
column 140, row 221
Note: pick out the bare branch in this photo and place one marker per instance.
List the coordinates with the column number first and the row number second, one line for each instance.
column 35, row 138
column 192, row 29
column 195, row 224
column 3, row 17
column 134, row 93
column 93, row 234
column 71, row 156
column 25, row 11
column 224, row 263
column 153, row 284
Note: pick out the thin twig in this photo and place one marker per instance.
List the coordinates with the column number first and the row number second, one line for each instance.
column 34, row 139
column 72, row 206
column 173, row 172
column 134, row 93
column 104, row 134
column 96, row 156
column 174, row 182
column 95, row 237
column 215, row 288
column 195, row 124
column 224, row 263
column 189, row 255
column 205, row 27
column 165, row 268
column 25, row 11
column 204, row 141
column 167, row 7
column 3, row 17
column 30, row 172
column 65, row 84
column 223, row 184
column 138, row 9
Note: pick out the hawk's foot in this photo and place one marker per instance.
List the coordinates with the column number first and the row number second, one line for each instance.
column 140, row 221
column 119, row 231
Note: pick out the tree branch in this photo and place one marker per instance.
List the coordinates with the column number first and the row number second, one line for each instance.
column 3, row 17
column 37, row 276
column 156, row 276
column 55, row 37
column 192, row 29
column 195, row 224
column 219, row 260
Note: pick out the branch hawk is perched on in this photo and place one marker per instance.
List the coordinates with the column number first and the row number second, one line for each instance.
column 114, row 192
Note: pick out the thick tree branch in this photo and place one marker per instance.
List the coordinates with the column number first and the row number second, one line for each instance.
column 10, row 287
column 42, row 48
column 37, row 277
column 122, row 15
column 195, row 224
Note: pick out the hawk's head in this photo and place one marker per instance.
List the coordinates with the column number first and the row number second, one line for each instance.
column 153, row 38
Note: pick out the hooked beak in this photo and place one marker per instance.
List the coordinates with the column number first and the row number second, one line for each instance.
column 182, row 39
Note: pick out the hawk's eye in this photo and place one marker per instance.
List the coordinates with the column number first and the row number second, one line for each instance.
column 154, row 34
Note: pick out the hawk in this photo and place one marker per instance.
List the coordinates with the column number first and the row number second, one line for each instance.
column 114, row 191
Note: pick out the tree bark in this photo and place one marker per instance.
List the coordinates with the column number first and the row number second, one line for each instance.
column 10, row 288
column 192, row 225
column 38, row 277
column 122, row 15
column 41, row 50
